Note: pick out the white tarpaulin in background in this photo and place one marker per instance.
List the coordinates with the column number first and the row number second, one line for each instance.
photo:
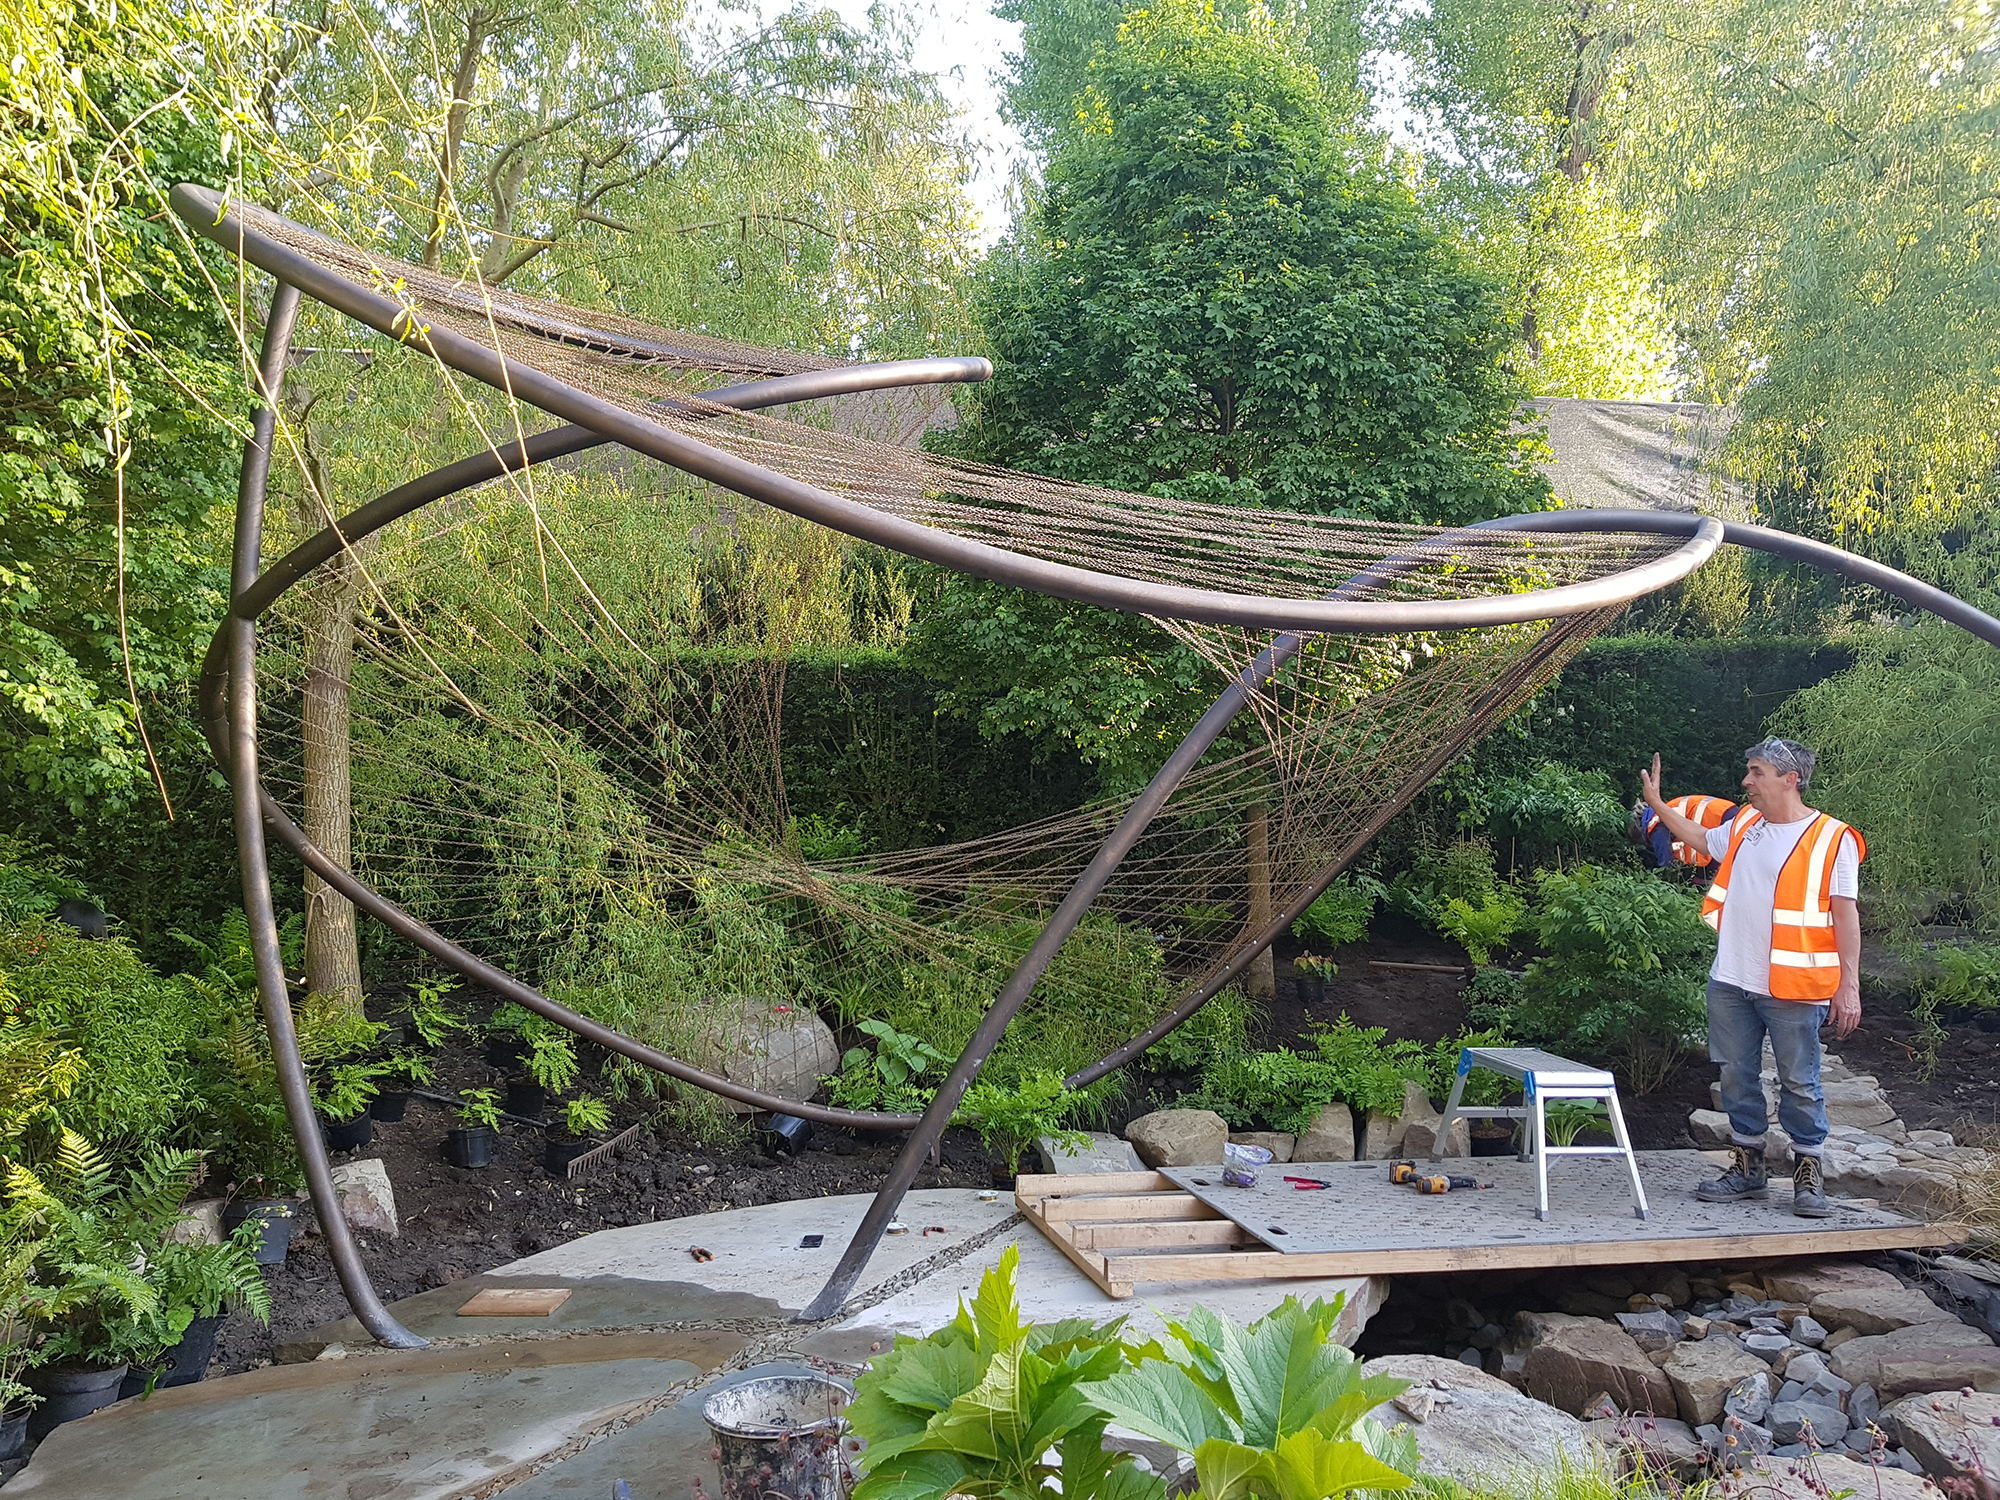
column 1637, row 454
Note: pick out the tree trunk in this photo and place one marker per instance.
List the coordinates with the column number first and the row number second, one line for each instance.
column 1261, row 978
column 326, row 786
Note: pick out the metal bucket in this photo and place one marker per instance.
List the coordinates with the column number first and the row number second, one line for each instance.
column 780, row 1437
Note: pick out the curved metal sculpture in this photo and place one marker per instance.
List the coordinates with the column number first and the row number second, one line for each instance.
column 228, row 692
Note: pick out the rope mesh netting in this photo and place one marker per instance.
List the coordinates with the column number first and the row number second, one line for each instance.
column 567, row 752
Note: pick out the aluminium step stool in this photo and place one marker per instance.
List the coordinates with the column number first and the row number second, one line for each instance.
column 1543, row 1076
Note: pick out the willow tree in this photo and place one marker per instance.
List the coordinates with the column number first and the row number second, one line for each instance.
column 795, row 183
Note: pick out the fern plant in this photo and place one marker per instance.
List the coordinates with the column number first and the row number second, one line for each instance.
column 107, row 1285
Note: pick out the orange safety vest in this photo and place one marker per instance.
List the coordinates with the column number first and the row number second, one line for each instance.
column 1710, row 812
column 1805, row 962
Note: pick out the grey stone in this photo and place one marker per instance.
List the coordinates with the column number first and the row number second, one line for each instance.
column 1790, row 1421
column 1651, row 1331
column 1330, row 1137
column 1766, row 1346
column 1806, row 1280
column 1277, row 1142
column 200, row 1223
column 1710, row 1129
column 1571, row 1359
column 1749, row 1398
column 1950, row 1434
column 1806, row 1367
column 1831, row 1385
column 1179, row 1137
column 1655, row 1446
column 1907, row 1461
column 1791, row 1390
column 1791, row 1450
column 1922, row 1357
column 770, row 1045
column 1856, row 1102
column 1750, row 1437
column 1911, row 1190
column 1381, row 1137
column 1702, row 1373
column 1420, row 1139
column 1858, row 1440
column 1862, row 1406
column 1105, row 1154
column 1709, row 1434
column 1877, row 1310
column 1807, row 1330
column 367, row 1201
column 1478, row 1429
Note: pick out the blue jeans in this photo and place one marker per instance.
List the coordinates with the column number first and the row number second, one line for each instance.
column 1738, row 1022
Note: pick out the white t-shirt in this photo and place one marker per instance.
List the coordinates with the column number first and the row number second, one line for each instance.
column 1743, row 954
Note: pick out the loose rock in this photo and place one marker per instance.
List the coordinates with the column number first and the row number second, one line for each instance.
column 1806, row 1421
column 1702, row 1372
column 1330, row 1137
column 1653, row 1330
column 1179, row 1137
column 1877, row 1309
column 1480, row 1429
column 1571, row 1359
column 367, row 1201
column 1922, row 1357
column 1952, row 1435
column 1802, row 1283
column 1750, row 1398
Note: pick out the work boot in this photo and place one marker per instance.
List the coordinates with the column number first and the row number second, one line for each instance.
column 1746, row 1179
column 1809, row 1190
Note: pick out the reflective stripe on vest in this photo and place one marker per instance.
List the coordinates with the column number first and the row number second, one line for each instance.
column 1805, row 957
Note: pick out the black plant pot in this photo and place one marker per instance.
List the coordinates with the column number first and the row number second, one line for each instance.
column 785, row 1135
column 471, row 1147
column 183, row 1364
column 1493, row 1143
column 275, row 1214
column 14, row 1432
column 348, row 1135
column 505, row 1052
column 390, row 1105
column 1312, row 990
column 558, row 1151
column 69, row 1392
column 525, row 1098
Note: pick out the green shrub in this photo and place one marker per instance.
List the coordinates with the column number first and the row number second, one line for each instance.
column 1552, row 811
column 1458, row 871
column 1009, row 1117
column 1968, row 978
column 1621, row 974
column 886, row 1079
column 1221, row 1028
column 1481, row 929
column 1340, row 913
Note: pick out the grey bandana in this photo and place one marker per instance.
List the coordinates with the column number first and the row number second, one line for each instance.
column 1784, row 755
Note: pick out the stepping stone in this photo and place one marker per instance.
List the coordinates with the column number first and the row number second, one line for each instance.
column 1106, row 1153
column 425, row 1424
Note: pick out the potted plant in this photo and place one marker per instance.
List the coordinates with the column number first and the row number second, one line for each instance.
column 1313, row 972
column 430, row 1018
column 402, row 1072
column 506, row 1039
column 108, row 1286
column 17, row 1349
column 550, row 1067
column 210, row 1281
column 1010, row 1116
column 471, row 1144
column 569, row 1138
column 343, row 1096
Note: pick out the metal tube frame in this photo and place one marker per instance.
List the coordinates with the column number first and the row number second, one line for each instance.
column 228, row 689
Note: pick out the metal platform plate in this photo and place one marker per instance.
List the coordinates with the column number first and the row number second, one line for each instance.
column 1590, row 1202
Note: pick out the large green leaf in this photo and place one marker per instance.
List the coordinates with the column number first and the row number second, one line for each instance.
column 1163, row 1401
column 1227, row 1470
column 932, row 1375
column 996, row 1316
column 1310, row 1466
column 917, row 1476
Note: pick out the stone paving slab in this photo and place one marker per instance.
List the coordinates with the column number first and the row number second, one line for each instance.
column 1050, row 1287
column 424, row 1425
column 659, row 1456
column 759, row 1251
column 594, row 1302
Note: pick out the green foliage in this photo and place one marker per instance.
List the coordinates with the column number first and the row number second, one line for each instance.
column 1620, row 978
column 885, row 1079
column 1221, row 1028
column 1269, row 1412
column 34, row 881
column 481, row 1107
column 551, row 1060
column 407, row 1068
column 345, row 1091
column 1348, row 1064
column 977, row 1407
column 1339, row 914
column 1459, row 871
column 585, row 1115
column 1554, row 810
column 1909, row 747
column 1010, row 1116
column 431, row 1012
column 108, row 1285
column 1566, row 1119
column 1481, row 929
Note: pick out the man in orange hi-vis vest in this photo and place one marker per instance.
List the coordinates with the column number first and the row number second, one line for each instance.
column 1787, row 960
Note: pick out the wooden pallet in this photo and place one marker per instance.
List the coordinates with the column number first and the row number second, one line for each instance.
column 1124, row 1228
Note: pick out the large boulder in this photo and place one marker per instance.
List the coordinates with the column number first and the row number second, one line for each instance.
column 1658, row 1447
column 1572, row 1359
column 1101, row 1154
column 1908, row 1189
column 1813, row 1477
column 1703, row 1371
column 1922, row 1357
column 1877, row 1310
column 1421, row 1143
column 770, row 1045
column 1381, row 1137
column 1280, row 1145
column 1474, row 1428
column 1953, row 1435
column 1804, row 1280
column 1179, row 1137
column 1330, row 1137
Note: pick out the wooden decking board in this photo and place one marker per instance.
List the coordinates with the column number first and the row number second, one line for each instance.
column 1127, row 1229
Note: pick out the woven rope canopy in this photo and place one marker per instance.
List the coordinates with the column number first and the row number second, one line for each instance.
column 547, row 759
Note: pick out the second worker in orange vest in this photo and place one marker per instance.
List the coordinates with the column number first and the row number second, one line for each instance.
column 1788, row 960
